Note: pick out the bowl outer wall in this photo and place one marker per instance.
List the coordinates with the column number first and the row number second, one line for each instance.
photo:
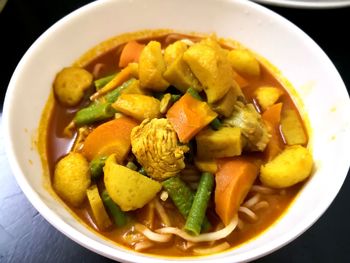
column 252, row 25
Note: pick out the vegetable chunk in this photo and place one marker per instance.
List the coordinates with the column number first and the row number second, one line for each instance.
column 188, row 116
column 244, row 62
column 131, row 53
column 127, row 188
column 110, row 137
column 138, row 106
column 211, row 67
column 292, row 128
column 152, row 67
column 234, row 178
column 97, row 207
column 267, row 96
column 70, row 85
column 291, row 166
column 72, row 178
column 225, row 142
column 272, row 117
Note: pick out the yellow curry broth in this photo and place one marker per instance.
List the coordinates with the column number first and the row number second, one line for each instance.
column 53, row 145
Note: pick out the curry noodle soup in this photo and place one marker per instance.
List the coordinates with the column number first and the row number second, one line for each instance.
column 174, row 144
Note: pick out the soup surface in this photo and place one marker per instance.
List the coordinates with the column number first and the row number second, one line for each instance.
column 175, row 145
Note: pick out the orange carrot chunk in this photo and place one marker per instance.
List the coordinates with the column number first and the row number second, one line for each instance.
column 131, row 53
column 234, row 178
column 242, row 82
column 188, row 116
column 272, row 117
column 110, row 137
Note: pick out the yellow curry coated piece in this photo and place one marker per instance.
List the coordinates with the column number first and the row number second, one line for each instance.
column 72, row 178
column 127, row 188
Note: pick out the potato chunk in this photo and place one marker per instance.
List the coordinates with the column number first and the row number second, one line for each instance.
column 226, row 105
column 72, row 178
column 267, row 96
column 152, row 67
column 70, row 85
column 174, row 51
column 291, row 166
column 97, row 207
column 292, row 128
column 244, row 62
column 210, row 65
column 225, row 142
column 138, row 106
column 127, row 188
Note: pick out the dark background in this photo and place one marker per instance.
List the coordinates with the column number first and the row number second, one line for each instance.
column 26, row 237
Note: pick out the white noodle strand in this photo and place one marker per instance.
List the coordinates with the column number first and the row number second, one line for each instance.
column 211, row 250
column 262, row 190
column 248, row 212
column 143, row 245
column 162, row 238
column 252, row 201
column 220, row 234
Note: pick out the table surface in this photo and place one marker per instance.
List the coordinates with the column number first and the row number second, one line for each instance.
column 26, row 237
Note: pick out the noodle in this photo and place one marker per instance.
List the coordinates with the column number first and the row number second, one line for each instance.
column 260, row 205
column 143, row 245
column 152, row 235
column 211, row 250
column 202, row 237
column 240, row 224
column 262, row 190
column 161, row 212
column 248, row 212
column 252, row 201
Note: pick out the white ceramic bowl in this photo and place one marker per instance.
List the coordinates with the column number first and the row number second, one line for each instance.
column 299, row 58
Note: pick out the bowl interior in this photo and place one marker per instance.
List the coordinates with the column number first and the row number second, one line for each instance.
column 301, row 61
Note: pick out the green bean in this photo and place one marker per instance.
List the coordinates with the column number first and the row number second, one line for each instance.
column 200, row 203
column 96, row 167
column 194, row 94
column 119, row 217
column 180, row 193
column 100, row 83
column 175, row 97
column 216, row 124
column 96, row 111
column 182, row 196
column 113, row 95
column 142, row 171
column 131, row 166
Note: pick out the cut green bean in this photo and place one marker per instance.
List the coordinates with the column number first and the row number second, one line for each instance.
column 96, row 167
column 100, row 83
column 194, row 94
column 180, row 193
column 119, row 217
column 200, row 203
column 113, row 95
column 182, row 197
column 216, row 124
column 142, row 171
column 94, row 112
column 131, row 166
column 175, row 97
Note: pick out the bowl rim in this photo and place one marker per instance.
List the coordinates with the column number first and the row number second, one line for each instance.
column 129, row 255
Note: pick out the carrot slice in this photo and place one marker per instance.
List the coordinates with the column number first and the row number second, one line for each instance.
column 242, row 82
column 110, row 137
column 188, row 116
column 272, row 117
column 131, row 53
column 234, row 178
column 120, row 78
